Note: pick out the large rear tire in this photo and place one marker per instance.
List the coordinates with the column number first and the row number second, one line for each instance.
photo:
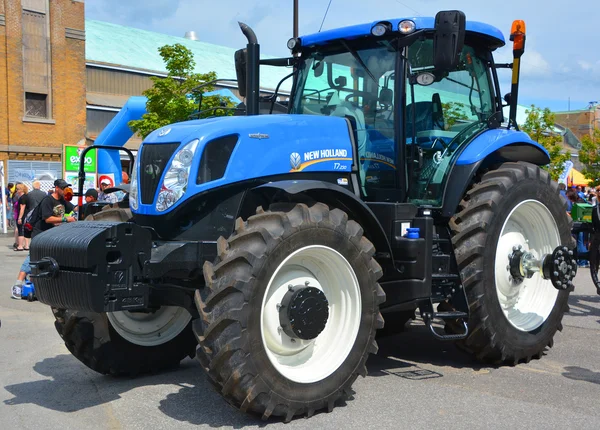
column 516, row 204
column 252, row 357
column 127, row 343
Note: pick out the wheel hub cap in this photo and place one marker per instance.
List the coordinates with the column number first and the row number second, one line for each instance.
column 304, row 312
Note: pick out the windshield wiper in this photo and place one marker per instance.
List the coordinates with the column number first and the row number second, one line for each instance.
column 360, row 61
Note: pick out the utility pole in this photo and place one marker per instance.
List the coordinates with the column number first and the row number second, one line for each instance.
column 295, row 19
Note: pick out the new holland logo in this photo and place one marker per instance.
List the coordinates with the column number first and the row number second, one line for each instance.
column 164, row 132
column 295, row 160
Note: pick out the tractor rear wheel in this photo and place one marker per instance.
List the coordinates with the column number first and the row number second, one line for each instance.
column 127, row 343
column 515, row 205
column 289, row 313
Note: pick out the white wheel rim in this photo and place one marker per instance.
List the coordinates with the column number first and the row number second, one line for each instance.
column 528, row 304
column 307, row 361
column 150, row 329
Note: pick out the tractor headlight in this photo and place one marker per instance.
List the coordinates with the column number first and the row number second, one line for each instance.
column 406, row 26
column 133, row 185
column 176, row 177
column 380, row 29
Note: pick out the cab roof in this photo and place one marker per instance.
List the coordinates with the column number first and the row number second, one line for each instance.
column 493, row 37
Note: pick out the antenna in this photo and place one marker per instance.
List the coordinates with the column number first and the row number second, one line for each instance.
column 295, row 35
column 325, row 16
column 408, row 7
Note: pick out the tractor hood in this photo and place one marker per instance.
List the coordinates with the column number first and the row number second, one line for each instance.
column 235, row 149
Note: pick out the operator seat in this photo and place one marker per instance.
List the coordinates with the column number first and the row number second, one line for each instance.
column 429, row 115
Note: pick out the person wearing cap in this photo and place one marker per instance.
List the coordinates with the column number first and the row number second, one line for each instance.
column 106, row 197
column 53, row 209
column 91, row 196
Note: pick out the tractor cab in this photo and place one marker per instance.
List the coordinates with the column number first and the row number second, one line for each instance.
column 414, row 94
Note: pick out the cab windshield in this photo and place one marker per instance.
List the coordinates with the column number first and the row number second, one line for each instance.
column 432, row 118
column 444, row 111
column 357, row 83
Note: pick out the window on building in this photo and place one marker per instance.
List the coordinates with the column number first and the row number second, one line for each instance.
column 37, row 79
column 36, row 105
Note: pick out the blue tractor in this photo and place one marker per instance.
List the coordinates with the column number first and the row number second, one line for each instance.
column 273, row 246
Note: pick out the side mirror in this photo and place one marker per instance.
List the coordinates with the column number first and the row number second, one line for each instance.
column 508, row 98
column 449, row 39
column 240, row 70
column 341, row 81
column 319, row 67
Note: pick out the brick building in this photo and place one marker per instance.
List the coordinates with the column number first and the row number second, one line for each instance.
column 42, row 83
column 580, row 122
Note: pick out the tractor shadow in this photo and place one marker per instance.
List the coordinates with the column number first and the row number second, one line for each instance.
column 580, row 374
column 72, row 387
column 415, row 354
column 584, row 306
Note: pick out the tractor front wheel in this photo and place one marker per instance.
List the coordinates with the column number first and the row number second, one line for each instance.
column 289, row 314
column 512, row 208
column 125, row 342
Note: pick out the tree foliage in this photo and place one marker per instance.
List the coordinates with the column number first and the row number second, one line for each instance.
column 589, row 155
column 454, row 112
column 540, row 127
column 171, row 99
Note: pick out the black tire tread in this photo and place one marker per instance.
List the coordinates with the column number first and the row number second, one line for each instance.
column 469, row 227
column 223, row 306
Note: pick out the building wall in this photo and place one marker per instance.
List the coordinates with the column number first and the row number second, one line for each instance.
column 37, row 138
column 581, row 122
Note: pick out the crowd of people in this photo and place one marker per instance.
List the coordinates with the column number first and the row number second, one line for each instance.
column 35, row 211
column 579, row 194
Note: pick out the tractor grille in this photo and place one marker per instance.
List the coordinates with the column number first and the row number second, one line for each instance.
column 154, row 159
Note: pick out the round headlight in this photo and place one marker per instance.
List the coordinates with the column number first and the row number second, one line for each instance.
column 292, row 43
column 379, row 30
column 185, row 157
column 407, row 26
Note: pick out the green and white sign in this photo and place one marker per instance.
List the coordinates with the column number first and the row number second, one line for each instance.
column 71, row 159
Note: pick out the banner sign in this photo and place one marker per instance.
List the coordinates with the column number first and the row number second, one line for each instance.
column 562, row 179
column 71, row 154
column 72, row 178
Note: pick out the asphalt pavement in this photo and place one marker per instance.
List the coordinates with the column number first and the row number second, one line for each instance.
column 414, row 381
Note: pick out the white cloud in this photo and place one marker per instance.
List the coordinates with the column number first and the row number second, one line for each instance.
column 555, row 64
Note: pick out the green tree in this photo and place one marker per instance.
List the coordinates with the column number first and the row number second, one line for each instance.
column 171, row 99
column 454, row 112
column 540, row 127
column 589, row 155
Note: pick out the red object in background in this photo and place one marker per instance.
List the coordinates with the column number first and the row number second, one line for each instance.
column 68, row 194
column 106, row 178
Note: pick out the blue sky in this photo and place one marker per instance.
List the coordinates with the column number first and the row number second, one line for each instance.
column 562, row 58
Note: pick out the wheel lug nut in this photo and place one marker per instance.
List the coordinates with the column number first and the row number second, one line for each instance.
column 570, row 252
column 293, row 340
column 290, row 287
column 278, row 306
column 306, row 283
column 556, row 262
column 555, row 274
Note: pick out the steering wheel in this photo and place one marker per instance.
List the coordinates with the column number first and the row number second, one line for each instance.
column 441, row 141
column 367, row 96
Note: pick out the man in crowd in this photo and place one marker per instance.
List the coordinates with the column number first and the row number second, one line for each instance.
column 104, row 197
column 52, row 210
column 35, row 196
column 91, row 196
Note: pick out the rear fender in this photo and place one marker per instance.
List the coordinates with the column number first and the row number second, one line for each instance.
column 463, row 173
column 310, row 191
